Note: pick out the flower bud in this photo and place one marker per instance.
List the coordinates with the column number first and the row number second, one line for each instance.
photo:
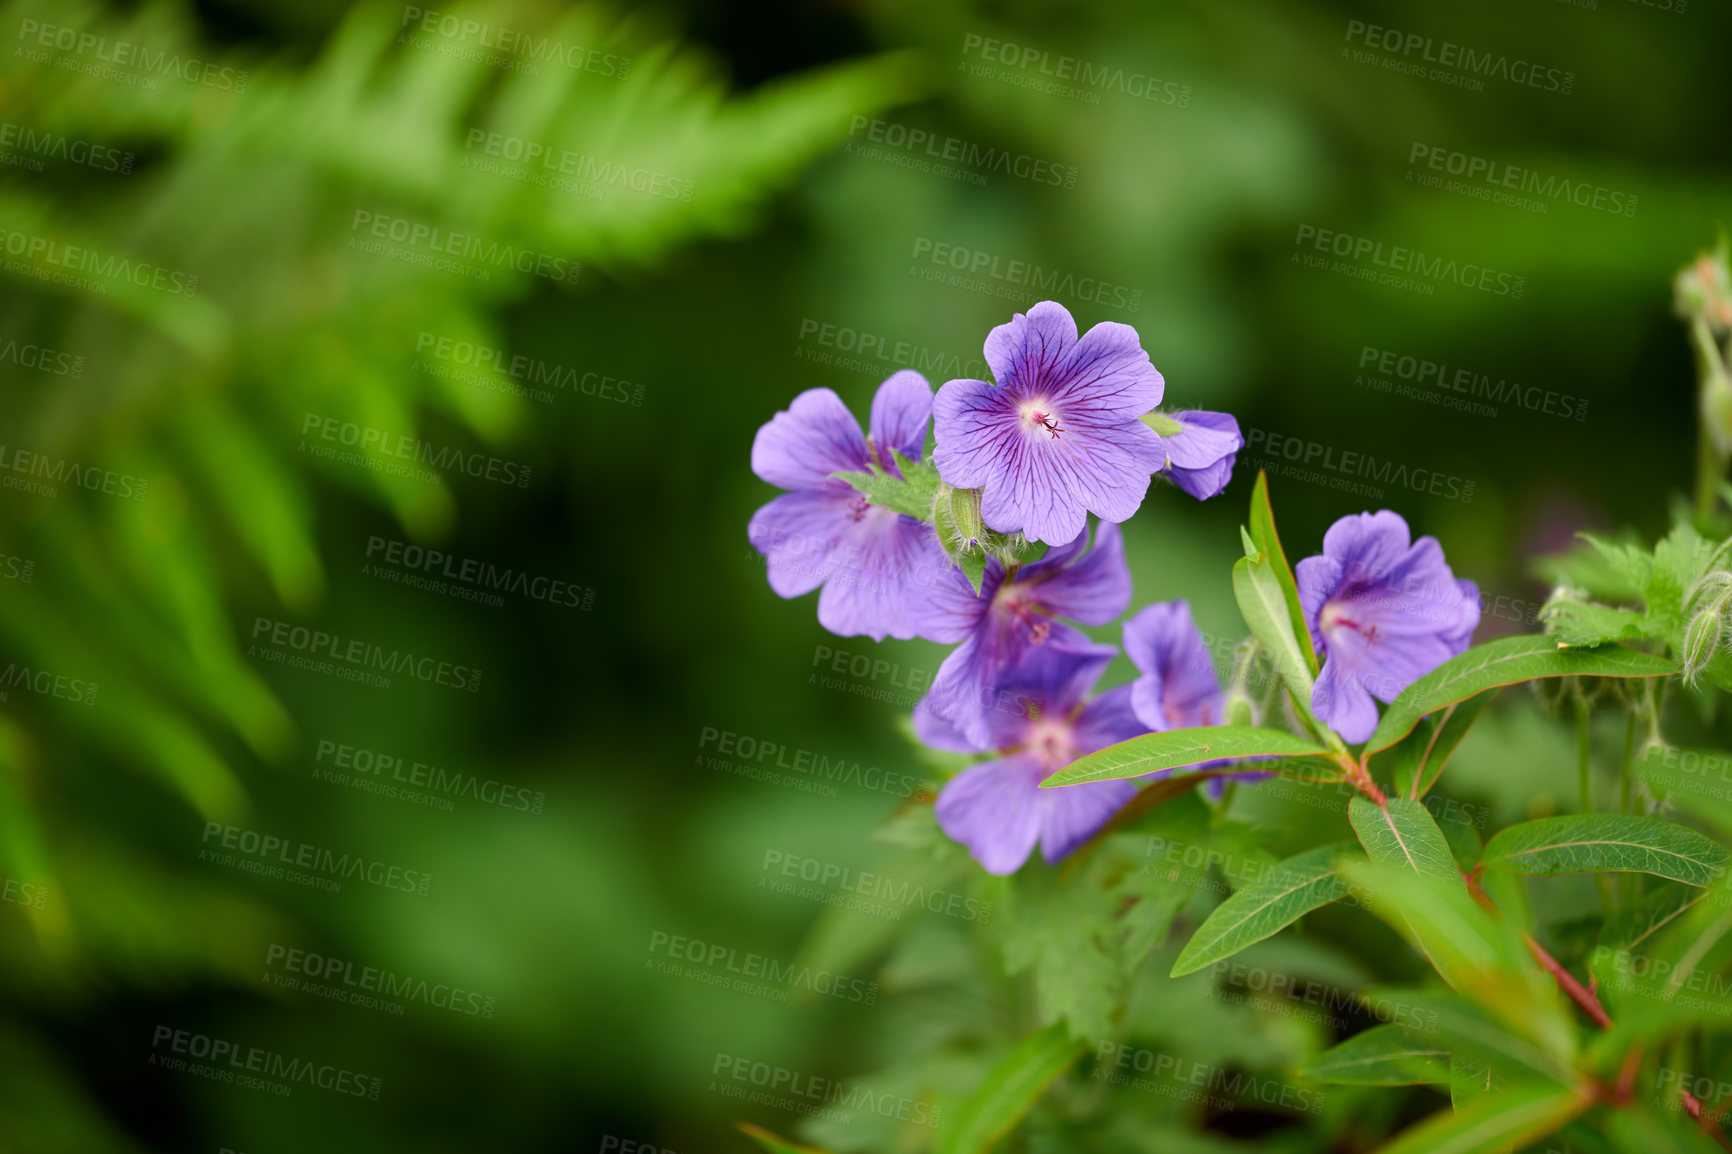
column 965, row 516
column 1704, row 288
column 1237, row 709
column 1701, row 637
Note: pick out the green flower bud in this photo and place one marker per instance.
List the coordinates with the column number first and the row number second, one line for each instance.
column 970, row 527
column 1701, row 637
column 1238, row 710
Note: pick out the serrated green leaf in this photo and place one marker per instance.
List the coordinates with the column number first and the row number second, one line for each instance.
column 1403, row 834
column 912, row 493
column 1177, row 748
column 1578, row 622
column 1008, row 1091
column 1381, row 1056
column 1506, row 661
column 1268, row 543
column 1282, row 896
column 1495, row 1124
column 1596, row 842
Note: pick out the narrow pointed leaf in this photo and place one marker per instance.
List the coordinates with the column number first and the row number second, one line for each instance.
column 1381, row 1056
column 1177, row 748
column 1506, row 661
column 1268, row 542
column 1495, row 1124
column 1009, row 1089
column 1283, row 895
column 1596, row 842
column 1264, row 608
column 1403, row 835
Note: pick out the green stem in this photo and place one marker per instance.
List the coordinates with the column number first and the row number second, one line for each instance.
column 1583, row 761
column 1709, row 464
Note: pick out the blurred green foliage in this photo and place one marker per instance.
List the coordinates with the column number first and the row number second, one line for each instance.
column 716, row 306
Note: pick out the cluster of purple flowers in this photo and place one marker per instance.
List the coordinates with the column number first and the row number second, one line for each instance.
column 1067, row 429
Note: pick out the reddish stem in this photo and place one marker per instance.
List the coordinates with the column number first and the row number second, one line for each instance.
column 1567, row 982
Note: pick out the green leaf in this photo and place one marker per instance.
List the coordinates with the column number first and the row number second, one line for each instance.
column 1506, row 661
column 1495, row 1124
column 1403, row 834
column 1262, row 909
column 1381, row 1056
column 1264, row 607
column 1268, row 543
column 1596, row 842
column 911, row 493
column 1008, row 1091
column 1638, row 1129
column 1177, row 748
column 1469, row 1081
column 1451, row 728
column 1578, row 622
column 774, row 1143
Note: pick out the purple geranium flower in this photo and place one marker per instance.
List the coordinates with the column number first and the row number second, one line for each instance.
column 1059, row 433
column 1008, row 618
column 1383, row 612
column 871, row 561
column 1200, row 456
column 997, row 808
column 1179, row 688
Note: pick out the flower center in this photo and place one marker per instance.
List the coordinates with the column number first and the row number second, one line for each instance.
column 1039, row 415
column 1049, row 739
column 858, row 508
column 1334, row 616
column 1013, row 602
